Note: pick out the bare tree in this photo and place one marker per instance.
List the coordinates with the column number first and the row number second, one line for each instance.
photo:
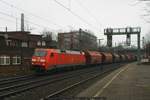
column 49, row 34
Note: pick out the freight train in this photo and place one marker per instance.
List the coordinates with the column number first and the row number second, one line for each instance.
column 47, row 59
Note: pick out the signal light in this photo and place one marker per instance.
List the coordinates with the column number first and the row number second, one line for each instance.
column 42, row 60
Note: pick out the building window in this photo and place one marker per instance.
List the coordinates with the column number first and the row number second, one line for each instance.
column 8, row 42
column 16, row 60
column 43, row 43
column 4, row 60
column 24, row 44
column 39, row 43
column 16, row 43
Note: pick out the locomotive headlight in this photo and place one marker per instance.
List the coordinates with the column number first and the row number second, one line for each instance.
column 34, row 60
column 42, row 60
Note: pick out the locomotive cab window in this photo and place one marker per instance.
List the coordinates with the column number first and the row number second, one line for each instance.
column 40, row 53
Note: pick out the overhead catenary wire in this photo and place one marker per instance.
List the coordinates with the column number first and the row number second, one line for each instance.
column 73, row 13
column 88, row 11
column 41, row 18
column 147, row 10
column 29, row 13
column 8, row 20
column 147, row 21
column 25, row 20
column 143, row 0
column 135, row 3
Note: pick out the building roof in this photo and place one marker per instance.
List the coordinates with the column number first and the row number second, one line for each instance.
column 34, row 37
column 21, row 35
column 80, row 31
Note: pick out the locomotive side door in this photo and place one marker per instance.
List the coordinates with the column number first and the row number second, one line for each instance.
column 53, row 59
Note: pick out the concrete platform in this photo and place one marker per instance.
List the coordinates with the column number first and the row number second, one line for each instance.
column 131, row 82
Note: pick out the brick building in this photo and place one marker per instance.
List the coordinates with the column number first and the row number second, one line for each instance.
column 16, row 48
column 77, row 40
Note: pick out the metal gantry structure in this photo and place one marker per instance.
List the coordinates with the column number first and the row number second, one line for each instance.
column 128, row 31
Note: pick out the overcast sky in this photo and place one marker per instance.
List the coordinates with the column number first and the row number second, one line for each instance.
column 94, row 15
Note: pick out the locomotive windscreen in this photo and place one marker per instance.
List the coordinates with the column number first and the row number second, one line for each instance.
column 40, row 53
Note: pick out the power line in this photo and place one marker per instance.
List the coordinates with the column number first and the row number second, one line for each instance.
column 145, row 15
column 144, row 0
column 7, row 19
column 134, row 4
column 31, row 14
column 25, row 20
column 88, row 12
column 147, row 21
column 73, row 13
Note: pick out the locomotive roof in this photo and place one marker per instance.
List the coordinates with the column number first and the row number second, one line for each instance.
column 60, row 51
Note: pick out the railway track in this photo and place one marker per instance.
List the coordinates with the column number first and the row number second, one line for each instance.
column 65, row 89
column 15, row 79
column 19, row 88
column 16, row 89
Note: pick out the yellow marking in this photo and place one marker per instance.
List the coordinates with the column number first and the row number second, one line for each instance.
column 106, row 85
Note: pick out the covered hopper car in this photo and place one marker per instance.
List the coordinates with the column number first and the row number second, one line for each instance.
column 107, row 58
column 93, row 57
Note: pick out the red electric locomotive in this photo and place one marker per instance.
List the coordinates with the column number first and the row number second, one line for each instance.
column 47, row 59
